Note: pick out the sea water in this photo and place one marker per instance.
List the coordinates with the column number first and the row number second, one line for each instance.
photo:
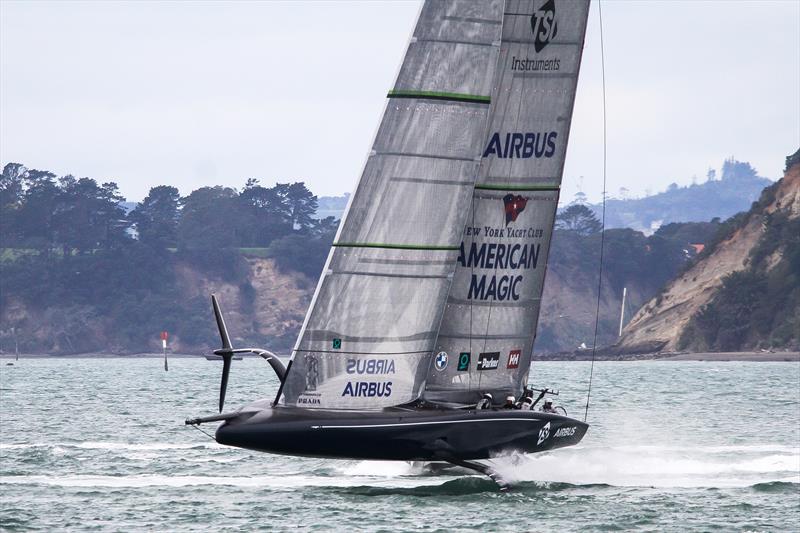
column 100, row 444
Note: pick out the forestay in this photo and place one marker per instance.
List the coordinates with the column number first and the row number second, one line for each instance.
column 371, row 328
column 487, row 332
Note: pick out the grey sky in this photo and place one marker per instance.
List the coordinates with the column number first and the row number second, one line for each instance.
column 195, row 94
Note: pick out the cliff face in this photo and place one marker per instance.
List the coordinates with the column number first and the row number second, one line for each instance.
column 676, row 319
column 266, row 311
column 269, row 311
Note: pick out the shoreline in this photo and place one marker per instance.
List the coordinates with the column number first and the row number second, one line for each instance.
column 750, row 356
column 766, row 357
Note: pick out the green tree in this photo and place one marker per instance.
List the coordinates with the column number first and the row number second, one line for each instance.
column 209, row 219
column 302, row 206
column 266, row 214
column 578, row 218
column 156, row 217
column 35, row 218
column 305, row 253
column 11, row 181
column 88, row 216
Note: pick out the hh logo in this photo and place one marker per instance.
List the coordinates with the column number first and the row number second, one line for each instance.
column 543, row 433
column 543, row 25
column 514, row 205
column 513, row 358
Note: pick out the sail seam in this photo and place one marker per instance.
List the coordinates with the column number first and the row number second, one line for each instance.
column 433, row 95
column 432, row 181
column 491, row 187
column 387, row 275
column 453, row 41
column 361, row 353
column 428, row 156
column 531, row 302
column 394, row 246
column 477, row 20
column 485, row 337
column 411, row 262
column 545, row 75
column 551, row 43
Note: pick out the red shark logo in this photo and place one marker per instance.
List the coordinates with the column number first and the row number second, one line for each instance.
column 514, row 206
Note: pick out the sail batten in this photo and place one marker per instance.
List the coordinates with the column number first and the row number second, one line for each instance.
column 433, row 95
column 393, row 246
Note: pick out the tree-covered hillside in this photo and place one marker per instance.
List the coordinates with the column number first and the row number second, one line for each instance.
column 632, row 260
column 73, row 258
column 758, row 307
column 737, row 186
column 742, row 292
column 84, row 271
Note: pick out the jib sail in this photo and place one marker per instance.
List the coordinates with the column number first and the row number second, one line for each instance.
column 372, row 325
column 486, row 337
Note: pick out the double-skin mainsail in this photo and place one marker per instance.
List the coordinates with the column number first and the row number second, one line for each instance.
column 433, row 284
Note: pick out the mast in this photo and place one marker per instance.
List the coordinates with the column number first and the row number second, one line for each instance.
column 622, row 310
column 492, row 310
column 371, row 328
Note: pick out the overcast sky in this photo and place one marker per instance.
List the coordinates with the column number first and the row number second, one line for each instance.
column 194, row 94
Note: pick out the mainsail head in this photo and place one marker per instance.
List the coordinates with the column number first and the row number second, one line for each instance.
column 489, row 324
column 372, row 325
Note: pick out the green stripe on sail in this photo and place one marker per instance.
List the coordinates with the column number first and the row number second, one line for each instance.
column 394, row 246
column 432, row 95
column 493, row 187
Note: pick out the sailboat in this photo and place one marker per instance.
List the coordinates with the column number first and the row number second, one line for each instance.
column 430, row 296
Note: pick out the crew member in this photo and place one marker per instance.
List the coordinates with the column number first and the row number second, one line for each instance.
column 509, row 403
column 526, row 400
column 527, row 403
column 548, row 406
column 485, row 402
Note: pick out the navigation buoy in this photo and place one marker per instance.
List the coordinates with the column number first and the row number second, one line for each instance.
column 164, row 337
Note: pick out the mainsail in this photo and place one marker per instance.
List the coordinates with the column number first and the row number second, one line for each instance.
column 486, row 336
column 372, row 325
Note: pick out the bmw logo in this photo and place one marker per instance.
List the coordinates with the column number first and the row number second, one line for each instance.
column 441, row 361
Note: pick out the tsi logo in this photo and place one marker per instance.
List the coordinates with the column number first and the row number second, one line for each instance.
column 543, row 433
column 543, row 25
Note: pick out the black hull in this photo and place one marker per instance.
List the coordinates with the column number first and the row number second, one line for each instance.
column 396, row 434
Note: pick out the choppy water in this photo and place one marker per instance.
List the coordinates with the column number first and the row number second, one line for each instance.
column 99, row 444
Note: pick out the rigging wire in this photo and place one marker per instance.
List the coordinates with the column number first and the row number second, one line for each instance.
column 603, row 220
column 209, row 435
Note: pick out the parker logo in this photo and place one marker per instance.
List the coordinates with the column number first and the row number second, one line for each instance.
column 514, row 205
column 488, row 361
column 543, row 25
column 513, row 358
